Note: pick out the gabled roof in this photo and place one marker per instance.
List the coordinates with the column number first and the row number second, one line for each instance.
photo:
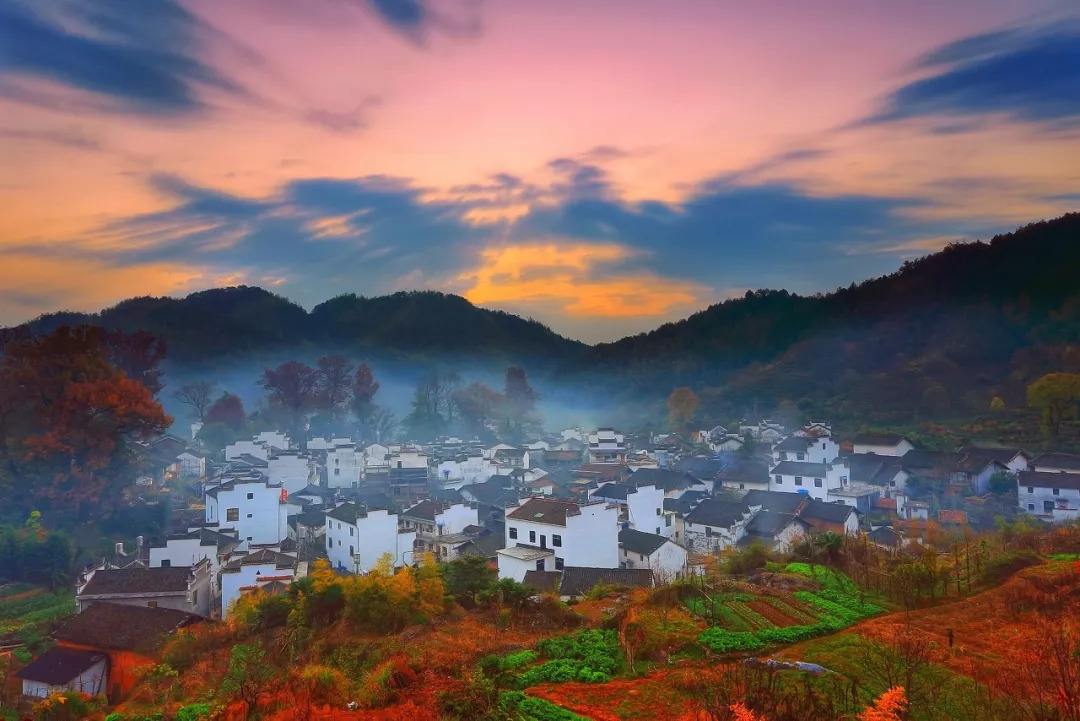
column 799, row 468
column 492, row 493
column 262, row 557
column 767, row 524
column 878, row 439
column 542, row 581
column 138, row 579
column 663, row 479
column 1068, row 461
column 637, row 541
column 743, row 470
column 1049, row 479
column 778, row 501
column 886, row 536
column 59, row 666
column 312, row 519
column 347, row 512
column 616, row 491
column 525, row 552
column 718, row 513
column 918, row 459
column 116, row 626
column 426, row 510
column 817, row 510
column 794, row 444
column 701, row 467
column 579, row 580
column 872, row 468
column 545, row 510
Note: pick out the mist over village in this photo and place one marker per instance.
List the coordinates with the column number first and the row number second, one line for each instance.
column 485, row 360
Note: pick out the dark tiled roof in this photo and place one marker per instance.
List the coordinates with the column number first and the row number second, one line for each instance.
column 1050, row 479
column 118, row 627
column 877, row 439
column 136, row 580
column 700, row 467
column 492, row 492
column 886, row 536
column 799, row 468
column 545, row 510
column 308, row 518
column 617, row 491
column 485, row 546
column 639, row 541
column 917, row 459
column 872, row 468
column 778, row 501
column 744, row 471
column 817, row 510
column 794, row 444
column 426, row 510
column 59, row 665
column 767, row 524
column 542, row 581
column 717, row 512
column 662, row 479
column 347, row 512
column 1068, row 461
column 261, row 557
column 578, row 580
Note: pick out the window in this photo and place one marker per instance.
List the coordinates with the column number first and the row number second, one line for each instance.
column 798, row 480
column 667, row 521
column 800, row 456
column 1031, row 507
column 558, row 564
column 351, row 529
column 817, row 483
column 823, row 445
column 779, row 481
column 708, row 531
column 151, row 604
column 540, row 565
column 166, row 563
column 532, row 536
column 232, row 514
column 251, row 496
column 337, row 471
column 1057, row 491
column 513, row 532
column 351, row 552
column 1031, row 489
column 195, row 597
column 329, row 543
column 658, row 511
column 1048, row 506
column 556, row 540
column 742, row 486
column 658, row 530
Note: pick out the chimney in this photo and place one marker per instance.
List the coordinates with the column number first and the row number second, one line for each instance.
column 119, row 548
column 138, row 543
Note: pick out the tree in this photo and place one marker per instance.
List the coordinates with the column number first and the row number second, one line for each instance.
column 889, row 706
column 382, row 424
column 68, row 419
column 467, row 576
column 477, row 405
column 519, row 400
column 138, row 355
column 292, row 389
column 1057, row 396
column 198, row 396
column 333, row 384
column 227, row 410
column 682, row 404
column 425, row 421
column 364, row 388
column 248, row 672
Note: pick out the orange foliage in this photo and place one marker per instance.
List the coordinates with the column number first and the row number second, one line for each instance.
column 741, row 713
column 888, row 707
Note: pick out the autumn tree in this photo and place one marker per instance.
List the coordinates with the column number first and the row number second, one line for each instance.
column 227, row 410
column 68, row 419
column 138, row 355
column 682, row 404
column 291, row 388
column 198, row 396
column 334, row 376
column 1057, row 397
column 425, row 419
column 519, row 401
column 477, row 406
column 889, row 706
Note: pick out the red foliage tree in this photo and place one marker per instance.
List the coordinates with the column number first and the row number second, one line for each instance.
column 227, row 410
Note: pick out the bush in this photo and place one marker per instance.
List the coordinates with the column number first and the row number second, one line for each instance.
column 193, row 712
column 592, row 656
column 530, row 708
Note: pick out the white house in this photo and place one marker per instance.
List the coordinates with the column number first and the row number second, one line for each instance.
column 640, row 506
column 344, row 466
column 188, row 549
column 715, row 524
column 814, row 479
column 664, row 557
column 251, row 570
column 807, row 449
column 1052, row 496
column 192, row 465
column 274, row 439
column 557, row 533
column 407, row 457
column 246, row 448
column 256, row 510
column 182, row 588
column 465, row 469
column 431, row 521
column 775, row 530
column 65, row 669
column 291, row 470
column 357, row 537
column 375, row 458
column 607, row 445
column 882, row 444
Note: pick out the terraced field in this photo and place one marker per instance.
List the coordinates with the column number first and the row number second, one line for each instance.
column 27, row 612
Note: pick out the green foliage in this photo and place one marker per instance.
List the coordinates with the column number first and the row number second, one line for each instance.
column 31, row 553
column 593, row 656
column 506, row 591
column 479, row 699
column 467, row 576
column 194, row 712
column 248, row 671
column 530, row 708
column 838, row 604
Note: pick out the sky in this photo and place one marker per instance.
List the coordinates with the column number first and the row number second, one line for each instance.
column 603, row 166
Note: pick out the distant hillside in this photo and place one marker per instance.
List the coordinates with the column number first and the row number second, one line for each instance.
column 233, row 322
column 940, row 336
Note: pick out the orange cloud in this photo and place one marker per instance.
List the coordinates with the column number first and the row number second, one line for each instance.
column 558, row 273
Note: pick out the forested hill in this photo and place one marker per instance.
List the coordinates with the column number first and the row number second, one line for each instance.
column 944, row 333
column 229, row 323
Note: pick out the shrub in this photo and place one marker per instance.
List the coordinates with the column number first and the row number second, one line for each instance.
column 592, row 656
column 193, row 712
column 530, row 708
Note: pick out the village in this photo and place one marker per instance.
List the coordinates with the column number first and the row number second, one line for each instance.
column 560, row 514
